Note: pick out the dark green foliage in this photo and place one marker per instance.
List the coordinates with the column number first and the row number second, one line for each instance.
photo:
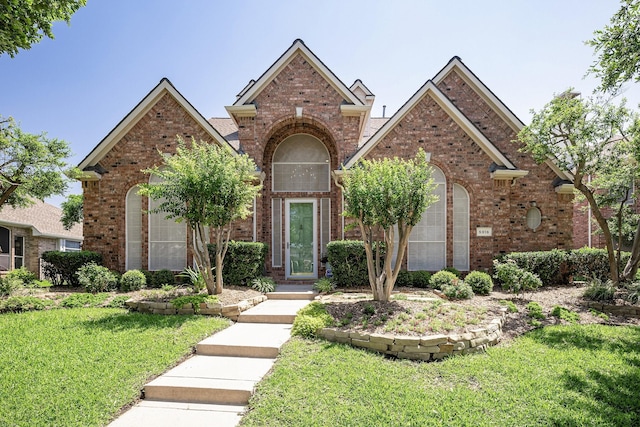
column 442, row 278
column 162, row 277
column 551, row 266
column 27, row 277
column 23, row 303
column 263, row 284
column 9, row 285
column 243, row 262
column 61, row 267
column 96, row 278
column 592, row 263
column 515, row 279
column 631, row 292
column 420, row 278
column 535, row 310
column 324, row 285
column 458, row 290
column 310, row 319
column 404, row 279
column 348, row 261
column 600, row 291
column 132, row 280
column 480, row 282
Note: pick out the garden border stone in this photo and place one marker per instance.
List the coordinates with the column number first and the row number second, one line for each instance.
column 208, row 309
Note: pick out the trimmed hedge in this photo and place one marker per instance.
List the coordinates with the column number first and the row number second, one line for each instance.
column 592, row 263
column 243, row 262
column 348, row 261
column 61, row 267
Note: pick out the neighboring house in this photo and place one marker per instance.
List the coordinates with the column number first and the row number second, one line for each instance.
column 305, row 128
column 28, row 232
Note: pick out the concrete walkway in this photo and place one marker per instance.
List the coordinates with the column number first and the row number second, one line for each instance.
column 213, row 387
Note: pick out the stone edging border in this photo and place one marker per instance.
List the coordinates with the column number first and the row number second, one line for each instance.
column 431, row 347
column 210, row 309
column 616, row 310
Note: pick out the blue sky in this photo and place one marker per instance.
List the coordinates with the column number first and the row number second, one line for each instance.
column 80, row 85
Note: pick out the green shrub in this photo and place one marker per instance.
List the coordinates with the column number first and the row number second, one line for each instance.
column 243, row 262
column 632, row 292
column 24, row 303
column 27, row 277
column 453, row 270
column 96, row 278
column 162, row 277
column 83, row 300
column 263, row 284
column 148, row 276
column 324, row 285
column 553, row 267
column 195, row 278
column 310, row 319
column 132, row 280
column 404, row 279
column 511, row 307
column 61, row 267
column 480, row 282
column 40, row 284
column 442, row 278
column 535, row 310
column 194, row 300
column 420, row 278
column 8, row 285
column 458, row 290
column 600, row 291
column 513, row 278
column 564, row 314
column 348, row 261
column 592, row 263
column 118, row 301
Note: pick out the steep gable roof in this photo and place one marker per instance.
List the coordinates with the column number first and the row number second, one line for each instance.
column 143, row 107
column 251, row 91
column 42, row 218
column 430, row 89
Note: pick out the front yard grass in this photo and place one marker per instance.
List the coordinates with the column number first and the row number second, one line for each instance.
column 572, row 375
column 78, row 367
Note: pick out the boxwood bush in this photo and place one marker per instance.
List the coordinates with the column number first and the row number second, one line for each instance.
column 132, row 280
column 61, row 267
column 553, row 267
column 480, row 282
column 442, row 278
column 348, row 261
column 243, row 262
column 96, row 278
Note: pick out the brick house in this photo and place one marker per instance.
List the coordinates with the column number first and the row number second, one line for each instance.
column 304, row 128
column 25, row 233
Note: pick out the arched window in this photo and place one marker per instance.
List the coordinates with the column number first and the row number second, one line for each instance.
column 133, row 218
column 460, row 228
column 167, row 239
column 301, row 163
column 427, row 242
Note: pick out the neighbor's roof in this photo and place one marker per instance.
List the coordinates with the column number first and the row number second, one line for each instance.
column 42, row 218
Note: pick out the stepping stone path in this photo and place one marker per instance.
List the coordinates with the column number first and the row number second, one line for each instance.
column 213, row 387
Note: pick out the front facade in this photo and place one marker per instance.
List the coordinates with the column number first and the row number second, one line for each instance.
column 305, row 128
column 26, row 233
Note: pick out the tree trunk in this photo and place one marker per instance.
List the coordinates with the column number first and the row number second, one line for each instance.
column 201, row 254
column 222, row 243
column 631, row 268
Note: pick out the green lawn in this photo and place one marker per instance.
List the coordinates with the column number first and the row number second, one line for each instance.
column 78, row 367
column 556, row 376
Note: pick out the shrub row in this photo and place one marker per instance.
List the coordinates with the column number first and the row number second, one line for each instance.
column 61, row 267
column 348, row 261
column 243, row 262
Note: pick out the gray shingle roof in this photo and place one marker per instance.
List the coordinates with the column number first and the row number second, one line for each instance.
column 43, row 218
column 227, row 128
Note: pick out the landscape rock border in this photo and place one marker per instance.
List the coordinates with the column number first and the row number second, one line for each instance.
column 617, row 310
column 209, row 309
column 426, row 348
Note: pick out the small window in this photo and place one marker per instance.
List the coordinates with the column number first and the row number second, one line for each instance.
column 534, row 218
column 18, row 251
column 5, row 249
column 70, row 246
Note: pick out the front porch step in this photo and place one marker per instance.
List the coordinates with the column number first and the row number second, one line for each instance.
column 246, row 340
column 273, row 311
column 210, row 379
column 294, row 295
column 171, row 414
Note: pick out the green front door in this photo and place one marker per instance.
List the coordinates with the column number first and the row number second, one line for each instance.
column 301, row 250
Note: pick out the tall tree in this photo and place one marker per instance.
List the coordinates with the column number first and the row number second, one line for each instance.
column 595, row 142
column 72, row 211
column 617, row 48
column 205, row 186
column 25, row 22
column 380, row 195
column 31, row 166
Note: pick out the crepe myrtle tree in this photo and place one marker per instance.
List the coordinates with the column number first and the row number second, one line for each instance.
column 383, row 196
column 206, row 186
column 597, row 143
